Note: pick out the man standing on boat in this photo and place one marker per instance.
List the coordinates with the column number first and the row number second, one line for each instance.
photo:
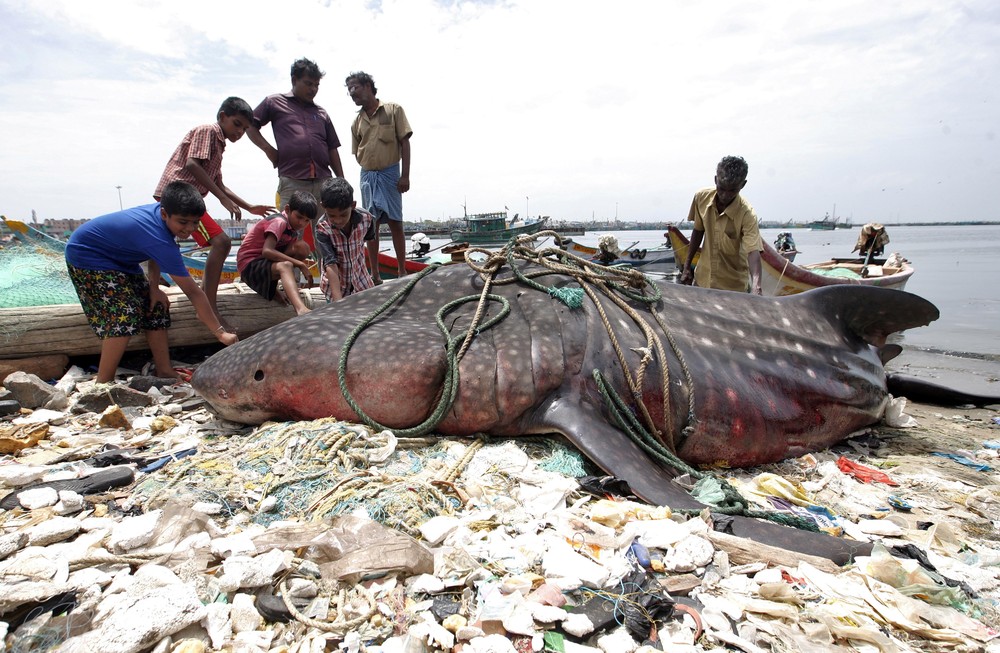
column 727, row 226
column 380, row 139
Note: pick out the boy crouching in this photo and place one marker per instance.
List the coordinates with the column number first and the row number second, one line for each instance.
column 273, row 249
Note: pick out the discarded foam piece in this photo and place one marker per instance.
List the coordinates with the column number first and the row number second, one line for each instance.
column 17, row 475
column 617, row 641
column 244, row 615
column 33, row 498
column 52, row 530
column 242, row 571
column 138, row 622
column 10, row 543
column 134, row 532
column 217, row 623
column 69, row 502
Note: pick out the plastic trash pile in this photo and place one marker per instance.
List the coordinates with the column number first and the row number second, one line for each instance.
column 131, row 519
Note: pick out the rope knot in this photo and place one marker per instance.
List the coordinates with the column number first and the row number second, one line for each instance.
column 572, row 297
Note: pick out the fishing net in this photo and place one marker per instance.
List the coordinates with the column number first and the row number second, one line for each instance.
column 322, row 468
column 33, row 275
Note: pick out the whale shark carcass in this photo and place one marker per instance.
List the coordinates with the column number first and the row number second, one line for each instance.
column 717, row 377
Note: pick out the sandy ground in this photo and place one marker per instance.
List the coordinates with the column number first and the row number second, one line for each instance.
column 974, row 374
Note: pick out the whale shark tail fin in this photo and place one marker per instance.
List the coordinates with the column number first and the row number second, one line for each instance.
column 873, row 313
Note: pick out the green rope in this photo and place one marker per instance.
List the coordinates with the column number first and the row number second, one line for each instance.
column 732, row 504
column 450, row 383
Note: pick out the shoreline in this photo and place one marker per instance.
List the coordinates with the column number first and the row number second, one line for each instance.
column 964, row 371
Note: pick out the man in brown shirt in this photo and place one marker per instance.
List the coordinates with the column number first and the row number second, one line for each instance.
column 380, row 139
column 727, row 225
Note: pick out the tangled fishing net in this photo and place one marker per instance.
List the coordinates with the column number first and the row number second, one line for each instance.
column 322, row 468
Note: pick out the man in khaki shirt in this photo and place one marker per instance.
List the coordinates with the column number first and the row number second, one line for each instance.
column 727, row 224
column 380, row 139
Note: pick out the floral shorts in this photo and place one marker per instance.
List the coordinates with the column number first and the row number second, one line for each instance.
column 117, row 303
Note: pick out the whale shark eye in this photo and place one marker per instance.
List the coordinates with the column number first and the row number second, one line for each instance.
column 258, row 375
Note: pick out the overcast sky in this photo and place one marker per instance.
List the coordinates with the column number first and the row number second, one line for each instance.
column 887, row 110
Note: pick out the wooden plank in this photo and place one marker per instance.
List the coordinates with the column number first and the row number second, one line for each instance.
column 63, row 329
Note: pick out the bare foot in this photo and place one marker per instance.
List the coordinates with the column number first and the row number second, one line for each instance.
column 170, row 373
column 303, row 310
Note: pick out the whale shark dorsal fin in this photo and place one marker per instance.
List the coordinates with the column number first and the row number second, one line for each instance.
column 872, row 313
column 888, row 352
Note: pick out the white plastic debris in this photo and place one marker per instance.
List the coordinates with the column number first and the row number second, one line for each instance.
column 41, row 497
column 133, row 532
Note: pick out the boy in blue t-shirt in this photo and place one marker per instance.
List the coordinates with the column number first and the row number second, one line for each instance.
column 103, row 257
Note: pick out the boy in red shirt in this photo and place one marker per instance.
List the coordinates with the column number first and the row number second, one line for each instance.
column 198, row 161
column 273, row 249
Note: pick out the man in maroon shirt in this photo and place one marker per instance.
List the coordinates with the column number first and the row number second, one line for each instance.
column 306, row 140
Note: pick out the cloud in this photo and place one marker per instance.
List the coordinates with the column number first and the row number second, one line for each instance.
column 581, row 106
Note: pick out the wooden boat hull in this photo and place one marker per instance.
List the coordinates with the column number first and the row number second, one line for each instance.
column 388, row 266
column 780, row 277
column 654, row 260
column 196, row 268
column 679, row 242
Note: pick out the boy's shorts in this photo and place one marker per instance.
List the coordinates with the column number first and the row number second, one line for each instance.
column 117, row 303
column 257, row 275
column 206, row 230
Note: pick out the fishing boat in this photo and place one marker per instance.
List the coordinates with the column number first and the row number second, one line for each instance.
column 826, row 224
column 655, row 261
column 785, row 245
column 196, row 268
column 679, row 243
column 779, row 276
column 388, row 266
column 493, row 228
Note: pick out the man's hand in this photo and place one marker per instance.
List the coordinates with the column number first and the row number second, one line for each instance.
column 687, row 276
column 272, row 155
column 262, row 210
column 403, row 184
column 306, row 273
column 234, row 209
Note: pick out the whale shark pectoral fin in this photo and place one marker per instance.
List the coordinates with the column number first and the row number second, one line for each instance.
column 888, row 352
column 928, row 392
column 615, row 453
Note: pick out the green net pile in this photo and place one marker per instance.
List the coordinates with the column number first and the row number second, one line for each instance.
column 33, row 275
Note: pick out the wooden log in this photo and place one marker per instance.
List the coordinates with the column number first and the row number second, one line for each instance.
column 46, row 367
column 63, row 329
column 743, row 551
